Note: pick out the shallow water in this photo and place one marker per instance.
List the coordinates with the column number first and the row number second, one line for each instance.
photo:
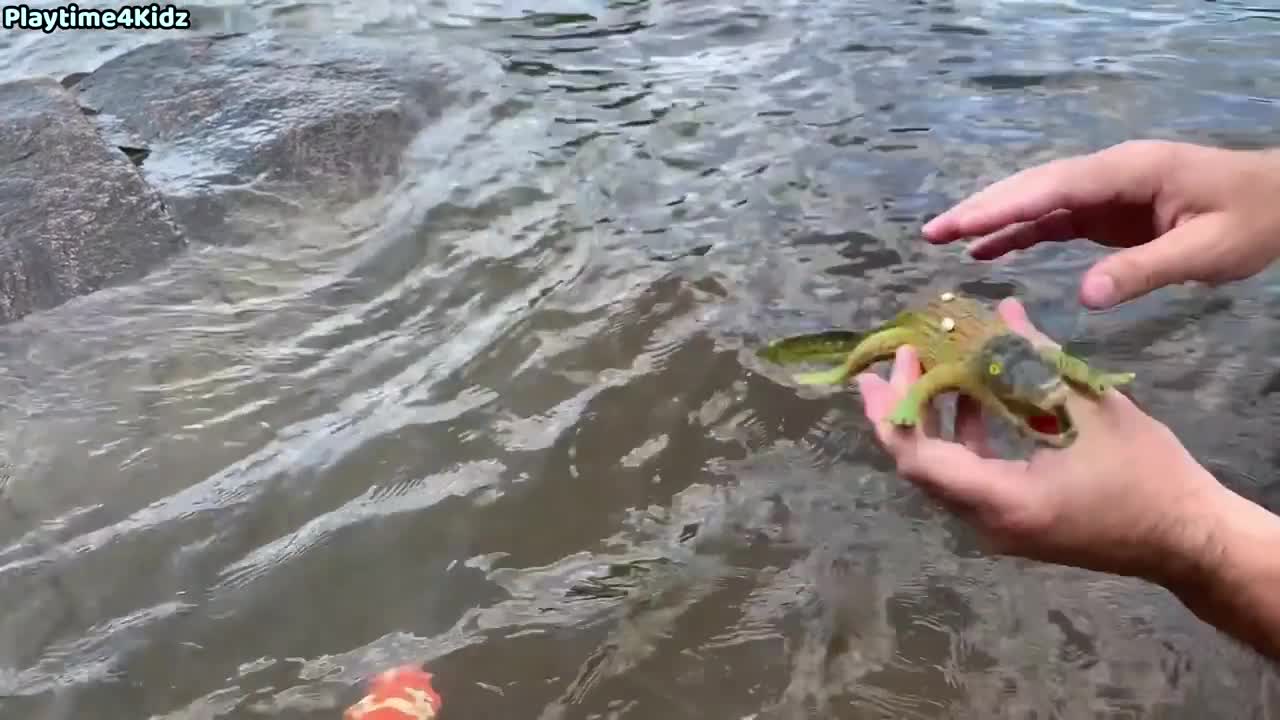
column 402, row 432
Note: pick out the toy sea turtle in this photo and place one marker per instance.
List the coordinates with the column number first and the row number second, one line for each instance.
column 963, row 347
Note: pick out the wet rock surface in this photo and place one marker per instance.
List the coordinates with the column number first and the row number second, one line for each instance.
column 236, row 120
column 75, row 215
column 196, row 139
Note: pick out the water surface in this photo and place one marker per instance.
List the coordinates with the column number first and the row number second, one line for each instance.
column 402, row 431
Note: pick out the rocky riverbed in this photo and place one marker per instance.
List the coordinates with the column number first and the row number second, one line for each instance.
column 203, row 140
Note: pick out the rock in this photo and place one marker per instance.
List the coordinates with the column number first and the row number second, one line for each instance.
column 236, row 120
column 75, row 77
column 75, row 215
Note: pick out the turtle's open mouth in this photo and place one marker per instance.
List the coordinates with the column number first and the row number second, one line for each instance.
column 1047, row 420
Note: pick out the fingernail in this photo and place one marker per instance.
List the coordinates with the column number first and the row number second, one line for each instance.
column 1099, row 290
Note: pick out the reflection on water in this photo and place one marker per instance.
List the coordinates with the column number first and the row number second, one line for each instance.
column 404, row 431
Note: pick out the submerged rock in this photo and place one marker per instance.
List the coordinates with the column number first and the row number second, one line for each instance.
column 231, row 122
column 107, row 173
column 75, row 215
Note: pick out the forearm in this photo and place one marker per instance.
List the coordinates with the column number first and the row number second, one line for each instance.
column 1234, row 582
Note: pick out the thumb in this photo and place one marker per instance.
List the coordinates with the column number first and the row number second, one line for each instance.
column 1182, row 254
column 1014, row 314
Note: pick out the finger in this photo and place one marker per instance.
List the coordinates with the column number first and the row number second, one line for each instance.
column 1015, row 316
column 929, row 419
column 877, row 396
column 1185, row 253
column 1057, row 226
column 1021, row 197
column 906, row 370
column 1127, row 173
column 970, row 431
column 952, row 471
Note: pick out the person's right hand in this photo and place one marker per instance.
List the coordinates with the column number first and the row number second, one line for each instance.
column 1181, row 212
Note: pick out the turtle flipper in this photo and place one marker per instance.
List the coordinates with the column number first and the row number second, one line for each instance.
column 831, row 376
column 940, row 379
column 905, row 414
column 827, row 346
column 854, row 352
column 831, row 346
column 1079, row 372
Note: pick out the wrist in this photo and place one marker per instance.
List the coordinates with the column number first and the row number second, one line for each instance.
column 1267, row 179
column 1224, row 552
column 1229, row 571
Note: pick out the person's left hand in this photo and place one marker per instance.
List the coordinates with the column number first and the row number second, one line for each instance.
column 1126, row 497
column 880, row 397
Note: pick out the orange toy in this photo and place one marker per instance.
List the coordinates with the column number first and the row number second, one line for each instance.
column 401, row 693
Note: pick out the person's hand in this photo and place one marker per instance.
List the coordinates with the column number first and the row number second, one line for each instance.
column 1125, row 498
column 1181, row 212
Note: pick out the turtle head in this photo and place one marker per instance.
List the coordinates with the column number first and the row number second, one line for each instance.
column 1028, row 386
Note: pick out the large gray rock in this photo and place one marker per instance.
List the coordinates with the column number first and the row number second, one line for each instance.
column 75, row 215
column 233, row 122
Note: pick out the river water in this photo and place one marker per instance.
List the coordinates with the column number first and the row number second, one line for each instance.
column 403, row 431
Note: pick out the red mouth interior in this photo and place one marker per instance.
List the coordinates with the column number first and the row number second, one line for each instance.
column 1047, row 424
